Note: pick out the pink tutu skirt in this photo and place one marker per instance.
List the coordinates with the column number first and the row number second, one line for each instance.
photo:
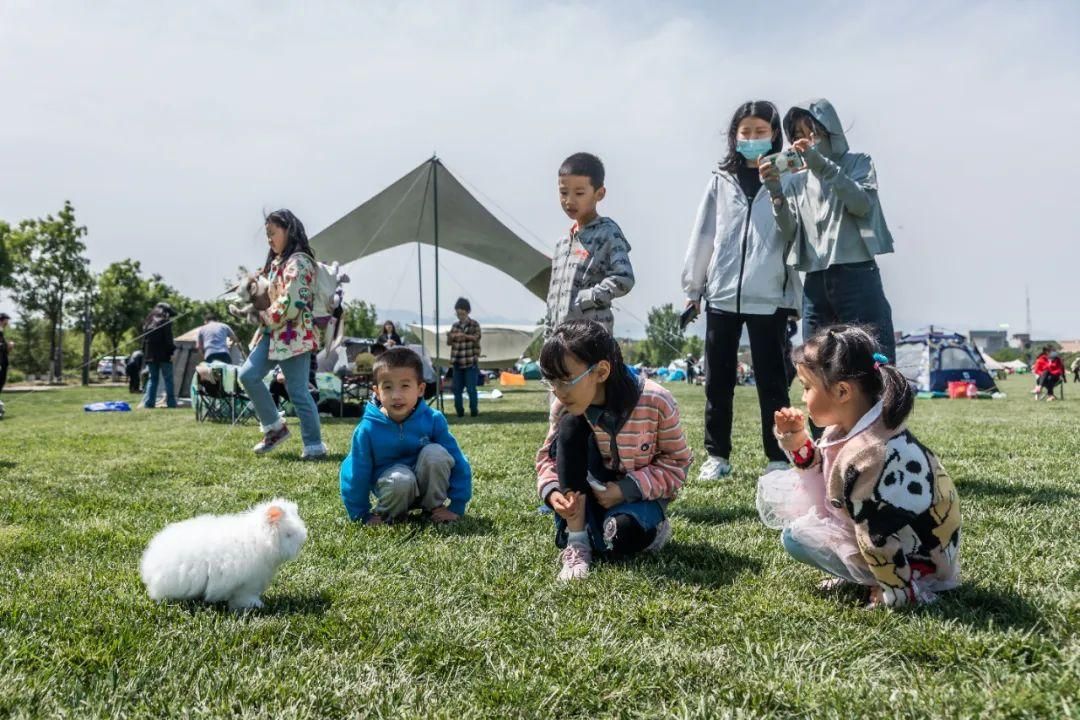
column 795, row 501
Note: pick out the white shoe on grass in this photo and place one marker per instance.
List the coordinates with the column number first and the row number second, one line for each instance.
column 714, row 468
column 575, row 563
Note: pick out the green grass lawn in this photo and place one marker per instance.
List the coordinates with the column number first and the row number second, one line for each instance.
column 467, row 621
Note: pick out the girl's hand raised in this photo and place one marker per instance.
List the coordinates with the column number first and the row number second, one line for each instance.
column 802, row 145
column 789, row 421
column 768, row 173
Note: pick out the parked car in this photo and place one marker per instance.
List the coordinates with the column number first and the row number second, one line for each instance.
column 105, row 366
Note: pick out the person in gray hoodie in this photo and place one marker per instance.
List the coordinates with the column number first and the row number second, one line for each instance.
column 840, row 228
column 735, row 263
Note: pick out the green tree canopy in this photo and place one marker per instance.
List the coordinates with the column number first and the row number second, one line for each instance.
column 50, row 268
column 120, row 303
column 664, row 335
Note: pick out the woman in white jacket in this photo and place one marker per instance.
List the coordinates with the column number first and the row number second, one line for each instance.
column 736, row 265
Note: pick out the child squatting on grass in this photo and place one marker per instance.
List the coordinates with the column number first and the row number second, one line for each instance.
column 402, row 451
column 867, row 503
column 615, row 453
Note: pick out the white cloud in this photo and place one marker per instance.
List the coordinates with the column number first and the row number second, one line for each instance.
column 172, row 129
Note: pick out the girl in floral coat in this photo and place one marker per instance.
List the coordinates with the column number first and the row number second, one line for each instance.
column 286, row 336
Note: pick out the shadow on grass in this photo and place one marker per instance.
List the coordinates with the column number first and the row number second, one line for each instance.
column 468, row 525
column 698, row 564
column 7, row 465
column 1039, row 495
column 987, row 608
column 497, row 417
column 333, row 458
column 315, row 604
column 713, row 515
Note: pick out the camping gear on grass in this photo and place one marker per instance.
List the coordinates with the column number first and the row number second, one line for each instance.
column 931, row 360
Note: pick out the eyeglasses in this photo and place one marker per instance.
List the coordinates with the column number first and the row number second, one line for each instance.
column 564, row 385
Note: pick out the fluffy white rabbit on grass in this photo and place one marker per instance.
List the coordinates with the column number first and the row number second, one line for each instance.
column 223, row 558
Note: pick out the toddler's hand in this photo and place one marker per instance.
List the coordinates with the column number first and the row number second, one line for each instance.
column 789, row 420
column 444, row 514
column 611, row 496
column 559, row 502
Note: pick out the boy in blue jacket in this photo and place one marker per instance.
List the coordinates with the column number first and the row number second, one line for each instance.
column 402, row 451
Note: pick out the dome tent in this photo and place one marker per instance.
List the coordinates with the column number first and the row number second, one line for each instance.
column 931, row 360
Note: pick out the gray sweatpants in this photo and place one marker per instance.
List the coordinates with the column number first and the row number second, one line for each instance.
column 401, row 487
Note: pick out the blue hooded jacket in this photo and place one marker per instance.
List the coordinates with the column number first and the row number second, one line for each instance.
column 379, row 442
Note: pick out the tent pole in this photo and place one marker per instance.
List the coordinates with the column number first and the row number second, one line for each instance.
column 420, row 265
column 435, row 196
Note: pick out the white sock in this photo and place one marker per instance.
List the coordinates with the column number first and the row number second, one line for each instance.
column 579, row 538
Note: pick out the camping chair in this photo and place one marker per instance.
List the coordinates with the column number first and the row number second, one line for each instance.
column 208, row 396
column 357, row 387
column 218, row 396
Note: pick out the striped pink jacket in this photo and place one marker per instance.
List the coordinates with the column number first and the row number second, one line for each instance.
column 651, row 444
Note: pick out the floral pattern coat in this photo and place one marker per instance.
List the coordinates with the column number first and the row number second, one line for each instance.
column 288, row 320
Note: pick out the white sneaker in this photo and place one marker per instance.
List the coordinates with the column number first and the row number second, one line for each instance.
column 663, row 534
column 714, row 468
column 776, row 465
column 575, row 563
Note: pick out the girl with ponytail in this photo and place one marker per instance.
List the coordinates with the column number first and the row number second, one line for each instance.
column 867, row 503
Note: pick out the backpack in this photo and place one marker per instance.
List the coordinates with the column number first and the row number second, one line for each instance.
column 328, row 281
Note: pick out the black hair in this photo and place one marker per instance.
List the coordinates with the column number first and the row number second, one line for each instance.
column 762, row 109
column 463, row 304
column 846, row 353
column 209, row 316
column 294, row 231
column 398, row 357
column 393, row 327
column 160, row 315
column 590, row 342
column 797, row 115
column 585, row 164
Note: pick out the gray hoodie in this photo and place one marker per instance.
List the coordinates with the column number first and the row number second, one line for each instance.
column 836, row 202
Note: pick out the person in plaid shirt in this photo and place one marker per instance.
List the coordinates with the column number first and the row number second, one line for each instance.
column 464, row 340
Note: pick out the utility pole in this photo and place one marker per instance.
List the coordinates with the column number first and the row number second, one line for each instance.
column 86, row 342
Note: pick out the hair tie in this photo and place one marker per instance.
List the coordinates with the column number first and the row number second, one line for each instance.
column 880, row 360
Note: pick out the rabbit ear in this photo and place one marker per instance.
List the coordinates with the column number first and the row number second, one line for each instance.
column 274, row 514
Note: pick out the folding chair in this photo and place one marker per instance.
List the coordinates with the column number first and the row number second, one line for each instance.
column 218, row 395
column 208, row 395
column 356, row 387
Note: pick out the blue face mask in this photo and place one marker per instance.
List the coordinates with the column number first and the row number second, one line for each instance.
column 753, row 149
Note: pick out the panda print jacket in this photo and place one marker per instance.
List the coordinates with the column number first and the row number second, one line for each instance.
column 902, row 501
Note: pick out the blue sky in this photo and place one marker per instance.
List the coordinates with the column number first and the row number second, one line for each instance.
column 172, row 129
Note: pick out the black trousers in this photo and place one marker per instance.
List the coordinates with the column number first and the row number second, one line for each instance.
column 768, row 342
column 1049, row 382
column 577, row 458
column 3, row 374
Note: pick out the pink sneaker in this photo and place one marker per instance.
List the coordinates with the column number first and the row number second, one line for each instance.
column 575, row 563
column 271, row 440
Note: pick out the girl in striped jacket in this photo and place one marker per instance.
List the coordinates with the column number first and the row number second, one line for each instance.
column 615, row 453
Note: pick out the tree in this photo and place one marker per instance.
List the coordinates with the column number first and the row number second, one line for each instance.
column 50, row 268
column 695, row 346
column 360, row 319
column 7, row 260
column 120, row 304
column 664, row 335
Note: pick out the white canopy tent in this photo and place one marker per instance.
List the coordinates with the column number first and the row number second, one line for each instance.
column 500, row 345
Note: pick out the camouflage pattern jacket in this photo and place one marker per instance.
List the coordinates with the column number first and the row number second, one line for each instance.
column 590, row 268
